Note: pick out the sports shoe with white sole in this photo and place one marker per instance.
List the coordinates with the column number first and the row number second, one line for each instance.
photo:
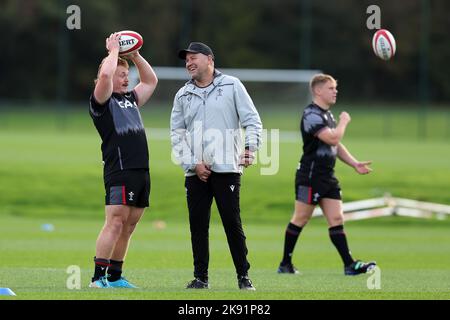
column 245, row 283
column 197, row 284
column 122, row 283
column 358, row 267
column 101, row 283
column 287, row 268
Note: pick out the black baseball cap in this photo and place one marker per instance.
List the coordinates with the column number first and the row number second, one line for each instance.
column 196, row 47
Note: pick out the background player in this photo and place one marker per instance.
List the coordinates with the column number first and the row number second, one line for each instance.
column 315, row 182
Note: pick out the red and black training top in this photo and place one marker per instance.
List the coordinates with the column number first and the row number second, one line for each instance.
column 318, row 157
column 119, row 124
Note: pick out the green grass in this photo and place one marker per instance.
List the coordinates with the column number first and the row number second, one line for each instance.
column 50, row 172
column 375, row 121
column 412, row 255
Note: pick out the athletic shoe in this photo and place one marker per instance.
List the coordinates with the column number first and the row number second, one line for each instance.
column 358, row 267
column 197, row 284
column 245, row 283
column 122, row 283
column 287, row 268
column 101, row 283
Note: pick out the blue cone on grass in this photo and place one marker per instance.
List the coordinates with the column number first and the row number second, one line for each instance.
column 6, row 292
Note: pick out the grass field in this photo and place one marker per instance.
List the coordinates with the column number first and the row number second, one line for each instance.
column 412, row 254
column 50, row 172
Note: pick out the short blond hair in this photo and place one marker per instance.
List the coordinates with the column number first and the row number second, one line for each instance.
column 320, row 79
column 120, row 62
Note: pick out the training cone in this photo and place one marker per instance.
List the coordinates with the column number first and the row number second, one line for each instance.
column 6, row 292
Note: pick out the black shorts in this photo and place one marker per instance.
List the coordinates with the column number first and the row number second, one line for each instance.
column 128, row 187
column 311, row 191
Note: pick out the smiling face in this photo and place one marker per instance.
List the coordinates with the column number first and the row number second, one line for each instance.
column 199, row 66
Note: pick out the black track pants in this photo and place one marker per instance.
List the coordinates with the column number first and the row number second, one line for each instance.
column 225, row 189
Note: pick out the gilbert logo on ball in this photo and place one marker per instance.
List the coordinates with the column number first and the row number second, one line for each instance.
column 129, row 42
column 383, row 44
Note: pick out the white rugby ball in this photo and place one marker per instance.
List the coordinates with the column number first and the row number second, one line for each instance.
column 383, row 44
column 129, row 42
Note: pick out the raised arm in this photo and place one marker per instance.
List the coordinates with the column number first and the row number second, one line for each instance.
column 333, row 137
column 104, row 85
column 147, row 77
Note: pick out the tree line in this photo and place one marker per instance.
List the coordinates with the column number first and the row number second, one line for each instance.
column 42, row 60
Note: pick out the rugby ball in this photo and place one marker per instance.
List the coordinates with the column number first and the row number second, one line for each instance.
column 383, row 44
column 129, row 42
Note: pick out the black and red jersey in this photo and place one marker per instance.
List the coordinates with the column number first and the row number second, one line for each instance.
column 318, row 157
column 119, row 123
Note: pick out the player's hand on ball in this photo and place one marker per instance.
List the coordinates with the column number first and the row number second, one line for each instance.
column 247, row 158
column 112, row 42
column 131, row 56
column 344, row 116
column 363, row 167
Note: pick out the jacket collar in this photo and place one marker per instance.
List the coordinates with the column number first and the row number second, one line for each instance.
column 217, row 79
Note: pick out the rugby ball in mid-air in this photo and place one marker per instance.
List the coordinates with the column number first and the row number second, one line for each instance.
column 383, row 44
column 129, row 42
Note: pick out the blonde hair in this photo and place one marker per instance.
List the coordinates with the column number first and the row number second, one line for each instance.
column 320, row 79
column 120, row 62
